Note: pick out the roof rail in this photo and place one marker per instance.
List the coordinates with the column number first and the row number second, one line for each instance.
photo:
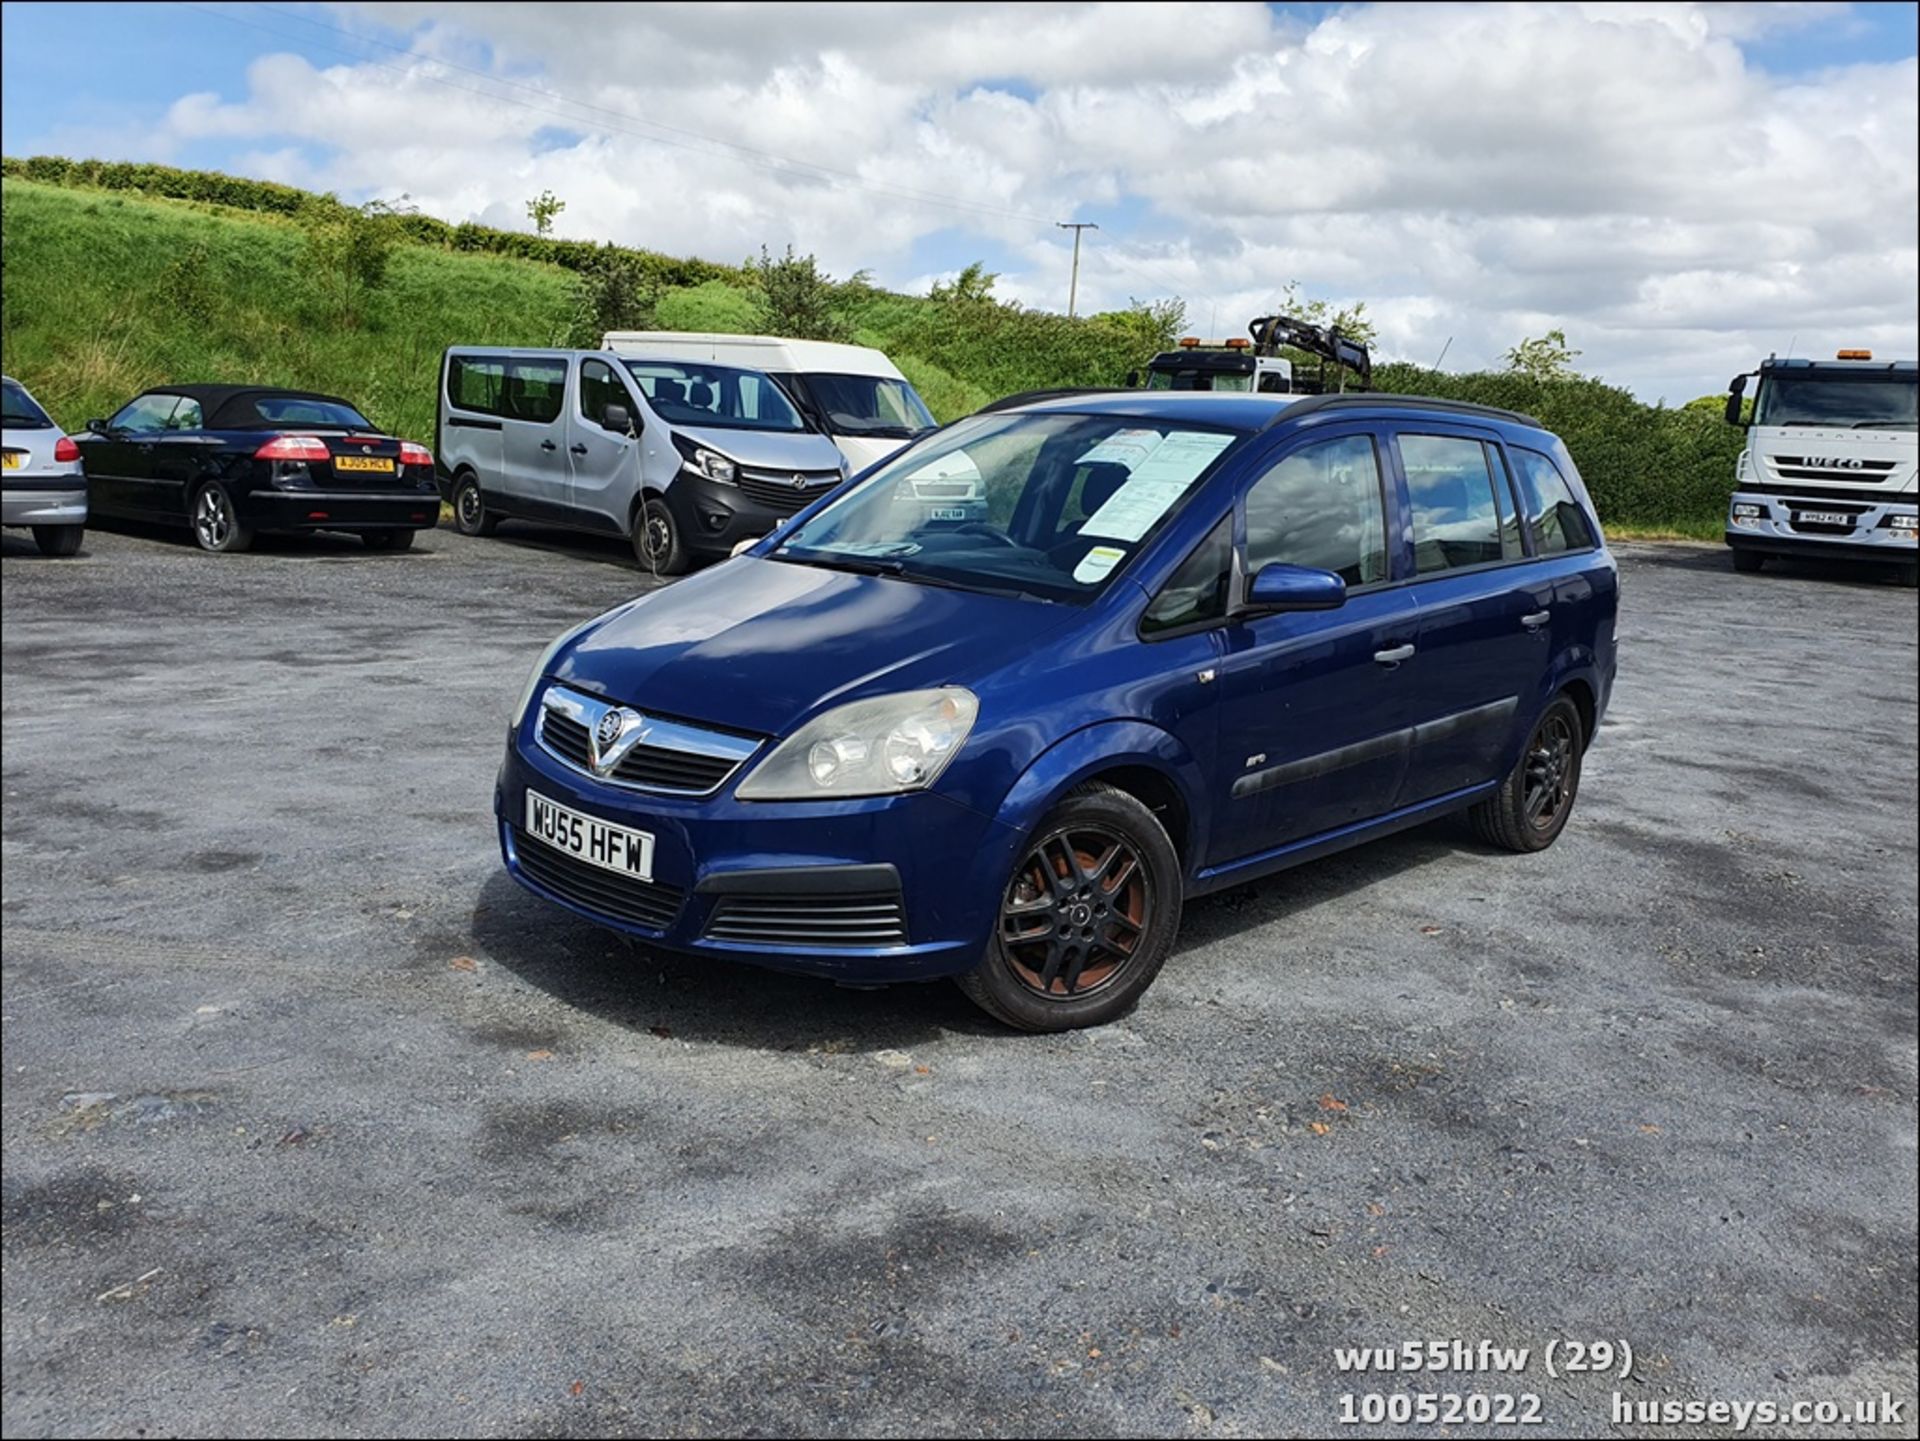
column 1365, row 399
column 1033, row 397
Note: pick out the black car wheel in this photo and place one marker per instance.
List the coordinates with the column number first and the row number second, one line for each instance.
column 394, row 538
column 1533, row 803
column 216, row 524
column 1087, row 918
column 657, row 543
column 58, row 539
column 470, row 514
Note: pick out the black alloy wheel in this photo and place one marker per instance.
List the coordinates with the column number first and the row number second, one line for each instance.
column 1532, row 805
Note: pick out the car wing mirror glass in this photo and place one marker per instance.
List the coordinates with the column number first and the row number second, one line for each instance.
column 1281, row 587
column 97, row 427
column 617, row 417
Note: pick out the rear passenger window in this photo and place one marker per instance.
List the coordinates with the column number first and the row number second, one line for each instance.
column 1196, row 594
column 1321, row 507
column 1554, row 517
column 1456, row 517
column 536, row 389
column 474, row 383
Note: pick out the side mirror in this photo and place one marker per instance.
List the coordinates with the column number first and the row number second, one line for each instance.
column 1133, row 380
column 618, row 418
column 1280, row 587
column 96, row 427
column 1736, row 388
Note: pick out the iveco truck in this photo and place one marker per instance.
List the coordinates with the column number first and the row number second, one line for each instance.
column 1829, row 468
column 1257, row 364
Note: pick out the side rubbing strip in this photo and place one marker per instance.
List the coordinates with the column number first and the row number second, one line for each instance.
column 1496, row 713
column 1311, row 767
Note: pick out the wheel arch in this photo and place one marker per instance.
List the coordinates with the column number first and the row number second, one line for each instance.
column 1147, row 763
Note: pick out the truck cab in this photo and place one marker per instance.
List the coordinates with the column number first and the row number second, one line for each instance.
column 1219, row 365
column 1830, row 465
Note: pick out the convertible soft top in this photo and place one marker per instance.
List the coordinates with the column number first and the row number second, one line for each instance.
column 238, row 407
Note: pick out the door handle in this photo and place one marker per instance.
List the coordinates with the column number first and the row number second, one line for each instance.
column 578, row 449
column 548, row 445
column 1395, row 655
column 1537, row 619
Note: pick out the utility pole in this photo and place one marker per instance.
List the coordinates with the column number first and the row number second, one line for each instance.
column 1073, row 286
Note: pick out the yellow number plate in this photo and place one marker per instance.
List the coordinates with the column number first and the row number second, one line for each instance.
column 10, row 460
column 379, row 465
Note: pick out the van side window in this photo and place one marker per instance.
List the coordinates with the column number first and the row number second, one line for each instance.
column 1554, row 517
column 536, row 389
column 1196, row 593
column 1321, row 507
column 476, row 383
column 1456, row 518
column 598, row 390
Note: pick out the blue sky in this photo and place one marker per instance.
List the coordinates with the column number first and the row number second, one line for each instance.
column 1201, row 205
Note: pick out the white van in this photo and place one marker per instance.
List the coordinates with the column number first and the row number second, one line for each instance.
column 852, row 393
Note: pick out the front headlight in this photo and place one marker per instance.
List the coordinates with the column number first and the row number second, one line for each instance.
column 701, row 461
column 872, row 747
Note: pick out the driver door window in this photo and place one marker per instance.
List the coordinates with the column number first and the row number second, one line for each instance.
column 599, row 388
column 1321, row 507
column 186, row 416
column 146, row 415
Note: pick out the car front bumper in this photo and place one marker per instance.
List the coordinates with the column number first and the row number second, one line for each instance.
column 43, row 500
column 1775, row 530
column 409, row 509
column 713, row 517
column 951, row 865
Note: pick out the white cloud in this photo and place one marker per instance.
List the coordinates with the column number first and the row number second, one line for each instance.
column 1476, row 172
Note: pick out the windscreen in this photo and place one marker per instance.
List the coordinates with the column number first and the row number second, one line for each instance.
column 1846, row 402
column 1056, row 507
column 695, row 392
column 869, row 405
column 18, row 410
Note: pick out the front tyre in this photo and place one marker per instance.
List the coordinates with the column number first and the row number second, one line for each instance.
column 1533, row 803
column 216, row 524
column 1748, row 562
column 58, row 539
column 1087, row 919
column 657, row 542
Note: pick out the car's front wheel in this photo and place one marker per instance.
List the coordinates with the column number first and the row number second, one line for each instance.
column 58, row 539
column 216, row 524
column 1087, row 918
column 1533, row 803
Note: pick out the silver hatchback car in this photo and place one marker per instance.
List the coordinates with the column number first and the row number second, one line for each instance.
column 41, row 484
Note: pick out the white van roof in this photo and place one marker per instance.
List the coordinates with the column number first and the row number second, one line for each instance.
column 755, row 352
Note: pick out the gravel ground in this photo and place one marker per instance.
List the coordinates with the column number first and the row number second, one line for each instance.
column 316, row 1124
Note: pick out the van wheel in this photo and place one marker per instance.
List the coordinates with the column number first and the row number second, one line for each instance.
column 397, row 537
column 1533, row 803
column 216, row 524
column 1748, row 562
column 1087, row 919
column 657, row 543
column 58, row 539
column 470, row 514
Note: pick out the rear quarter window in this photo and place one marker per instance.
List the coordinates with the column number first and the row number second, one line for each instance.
column 1555, row 518
column 476, row 383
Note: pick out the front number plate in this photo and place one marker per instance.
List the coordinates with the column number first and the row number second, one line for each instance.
column 947, row 512
column 373, row 464
column 1822, row 517
column 614, row 848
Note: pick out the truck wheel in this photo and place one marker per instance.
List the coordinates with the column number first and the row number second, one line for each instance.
column 1531, row 807
column 1909, row 575
column 58, row 539
column 470, row 514
column 657, row 542
column 1748, row 562
column 1087, row 919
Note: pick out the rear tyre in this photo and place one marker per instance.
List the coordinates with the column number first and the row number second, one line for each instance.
column 58, row 539
column 470, row 513
column 657, row 542
column 1748, row 562
column 216, row 524
column 394, row 538
column 1086, row 920
column 1533, row 803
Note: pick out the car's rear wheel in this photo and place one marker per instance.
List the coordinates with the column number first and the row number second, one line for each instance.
column 216, row 524
column 58, row 539
column 1748, row 562
column 657, row 542
column 1087, row 918
column 470, row 513
column 1533, row 803
column 393, row 538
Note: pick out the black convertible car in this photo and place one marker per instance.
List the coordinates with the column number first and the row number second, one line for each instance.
column 230, row 460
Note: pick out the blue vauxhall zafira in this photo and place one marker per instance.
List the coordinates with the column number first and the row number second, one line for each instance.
column 1194, row 638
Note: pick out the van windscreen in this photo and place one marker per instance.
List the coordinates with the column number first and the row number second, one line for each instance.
column 693, row 392
column 868, row 405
